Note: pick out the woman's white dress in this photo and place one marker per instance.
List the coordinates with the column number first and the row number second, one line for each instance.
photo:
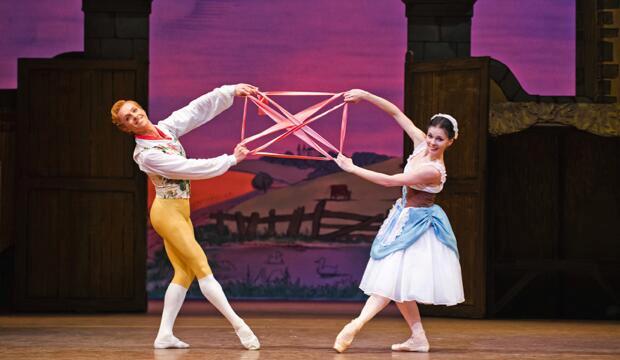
column 427, row 271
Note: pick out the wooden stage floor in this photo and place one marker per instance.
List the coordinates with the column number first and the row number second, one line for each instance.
column 307, row 336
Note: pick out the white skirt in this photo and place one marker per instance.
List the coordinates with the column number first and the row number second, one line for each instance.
column 427, row 272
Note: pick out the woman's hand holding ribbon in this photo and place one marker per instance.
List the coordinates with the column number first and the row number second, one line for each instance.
column 354, row 96
column 345, row 163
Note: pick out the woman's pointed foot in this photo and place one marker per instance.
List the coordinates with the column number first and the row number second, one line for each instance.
column 346, row 335
column 247, row 337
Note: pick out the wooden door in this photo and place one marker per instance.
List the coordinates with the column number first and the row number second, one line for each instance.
column 554, row 251
column 459, row 87
column 81, row 208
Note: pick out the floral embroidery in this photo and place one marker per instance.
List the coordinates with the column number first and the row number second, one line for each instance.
column 173, row 148
column 170, row 188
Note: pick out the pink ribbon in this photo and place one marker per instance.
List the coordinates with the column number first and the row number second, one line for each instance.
column 296, row 124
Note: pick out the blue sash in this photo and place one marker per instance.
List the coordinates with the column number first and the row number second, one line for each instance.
column 419, row 220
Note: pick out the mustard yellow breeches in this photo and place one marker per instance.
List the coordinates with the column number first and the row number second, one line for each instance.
column 170, row 218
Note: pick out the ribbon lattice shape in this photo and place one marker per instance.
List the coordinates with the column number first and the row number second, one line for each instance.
column 296, row 124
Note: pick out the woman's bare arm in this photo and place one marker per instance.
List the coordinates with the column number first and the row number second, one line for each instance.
column 426, row 175
column 416, row 135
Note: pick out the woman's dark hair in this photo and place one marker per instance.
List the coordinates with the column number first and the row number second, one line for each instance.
column 444, row 123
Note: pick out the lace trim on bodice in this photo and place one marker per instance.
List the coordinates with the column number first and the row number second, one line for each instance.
column 440, row 167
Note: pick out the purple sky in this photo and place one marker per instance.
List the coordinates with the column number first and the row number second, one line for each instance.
column 320, row 45
column 37, row 28
column 535, row 38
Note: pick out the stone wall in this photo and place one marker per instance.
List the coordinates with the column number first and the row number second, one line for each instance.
column 115, row 29
column 598, row 50
column 439, row 29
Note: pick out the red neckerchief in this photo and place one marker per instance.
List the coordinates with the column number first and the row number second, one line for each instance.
column 151, row 137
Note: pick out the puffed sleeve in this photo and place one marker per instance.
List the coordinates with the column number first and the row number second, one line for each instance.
column 177, row 167
column 199, row 111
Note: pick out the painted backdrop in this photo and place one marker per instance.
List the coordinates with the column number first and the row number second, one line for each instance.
column 299, row 229
column 276, row 228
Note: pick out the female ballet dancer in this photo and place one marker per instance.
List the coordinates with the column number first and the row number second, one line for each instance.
column 414, row 257
column 160, row 155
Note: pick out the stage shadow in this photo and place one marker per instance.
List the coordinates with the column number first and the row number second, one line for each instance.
column 170, row 354
column 178, row 354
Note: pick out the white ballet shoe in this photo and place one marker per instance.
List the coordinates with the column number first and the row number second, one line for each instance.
column 169, row 342
column 247, row 338
column 346, row 335
column 417, row 343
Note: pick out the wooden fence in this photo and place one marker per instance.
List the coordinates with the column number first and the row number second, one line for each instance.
column 247, row 225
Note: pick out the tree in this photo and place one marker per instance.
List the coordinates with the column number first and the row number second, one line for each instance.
column 262, row 181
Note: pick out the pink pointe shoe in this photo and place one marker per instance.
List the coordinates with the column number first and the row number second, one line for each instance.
column 417, row 343
column 346, row 335
column 169, row 342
